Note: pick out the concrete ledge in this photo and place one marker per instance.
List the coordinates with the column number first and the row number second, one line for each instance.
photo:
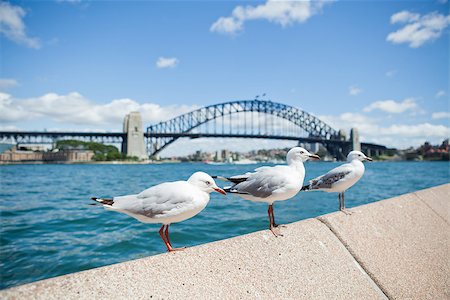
column 397, row 247
column 438, row 199
column 401, row 242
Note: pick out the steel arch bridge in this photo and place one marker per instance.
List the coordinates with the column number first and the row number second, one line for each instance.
column 165, row 133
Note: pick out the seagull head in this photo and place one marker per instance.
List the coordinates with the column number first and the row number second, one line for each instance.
column 299, row 154
column 358, row 155
column 205, row 183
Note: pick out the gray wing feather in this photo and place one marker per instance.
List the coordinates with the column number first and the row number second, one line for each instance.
column 262, row 183
column 327, row 180
column 157, row 200
column 163, row 198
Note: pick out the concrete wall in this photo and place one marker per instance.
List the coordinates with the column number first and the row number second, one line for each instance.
column 392, row 249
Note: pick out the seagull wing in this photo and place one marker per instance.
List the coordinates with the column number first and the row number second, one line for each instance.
column 327, row 180
column 156, row 201
column 264, row 182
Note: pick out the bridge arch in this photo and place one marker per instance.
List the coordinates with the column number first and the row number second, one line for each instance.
column 162, row 134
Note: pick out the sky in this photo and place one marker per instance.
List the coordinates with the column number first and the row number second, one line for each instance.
column 380, row 66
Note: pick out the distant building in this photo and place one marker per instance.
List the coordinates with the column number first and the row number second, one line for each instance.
column 134, row 144
column 17, row 156
column 225, row 155
column 218, row 156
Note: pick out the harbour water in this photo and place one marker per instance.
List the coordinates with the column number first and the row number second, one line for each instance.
column 48, row 228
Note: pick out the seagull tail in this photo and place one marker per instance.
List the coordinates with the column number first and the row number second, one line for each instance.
column 103, row 201
column 231, row 190
column 220, row 177
column 306, row 187
column 234, row 179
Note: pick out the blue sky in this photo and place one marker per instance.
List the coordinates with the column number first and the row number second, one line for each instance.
column 382, row 66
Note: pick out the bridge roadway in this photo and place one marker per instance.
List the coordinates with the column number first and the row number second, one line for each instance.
column 25, row 137
column 57, row 134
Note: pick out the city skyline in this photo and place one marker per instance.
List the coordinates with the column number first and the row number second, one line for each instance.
column 82, row 65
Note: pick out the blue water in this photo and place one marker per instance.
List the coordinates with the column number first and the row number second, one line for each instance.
column 48, row 228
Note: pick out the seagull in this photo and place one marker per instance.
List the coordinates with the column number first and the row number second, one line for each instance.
column 341, row 178
column 166, row 203
column 270, row 184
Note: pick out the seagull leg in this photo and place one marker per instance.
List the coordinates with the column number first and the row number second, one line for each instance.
column 166, row 232
column 340, row 201
column 342, row 208
column 163, row 237
column 276, row 231
column 269, row 212
column 343, row 201
column 273, row 220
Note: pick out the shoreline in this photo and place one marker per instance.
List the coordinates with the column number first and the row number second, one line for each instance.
column 113, row 162
column 9, row 163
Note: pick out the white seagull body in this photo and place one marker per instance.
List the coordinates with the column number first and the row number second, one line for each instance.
column 166, row 203
column 340, row 179
column 270, row 184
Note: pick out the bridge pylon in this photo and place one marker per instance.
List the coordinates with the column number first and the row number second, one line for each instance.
column 134, row 144
column 354, row 138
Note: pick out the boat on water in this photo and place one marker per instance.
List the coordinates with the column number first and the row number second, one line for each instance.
column 232, row 162
column 245, row 162
column 208, row 162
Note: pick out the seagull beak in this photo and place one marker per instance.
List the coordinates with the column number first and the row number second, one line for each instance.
column 219, row 190
column 369, row 158
column 314, row 156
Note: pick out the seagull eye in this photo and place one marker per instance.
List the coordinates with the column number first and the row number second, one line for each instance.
column 301, row 152
column 208, row 183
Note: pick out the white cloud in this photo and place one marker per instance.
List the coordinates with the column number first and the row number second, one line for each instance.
column 348, row 120
column 423, row 130
column 441, row 115
column 13, row 27
column 404, row 16
column 417, row 29
column 227, row 25
column 6, row 83
column 394, row 135
column 74, row 108
column 391, row 73
column 283, row 13
column 392, row 106
column 354, row 90
column 167, row 62
column 9, row 128
column 440, row 94
column 69, row 1
column 10, row 111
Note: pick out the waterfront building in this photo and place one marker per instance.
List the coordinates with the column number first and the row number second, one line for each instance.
column 21, row 156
